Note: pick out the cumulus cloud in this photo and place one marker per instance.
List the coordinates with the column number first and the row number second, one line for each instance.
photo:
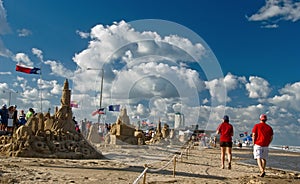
column 289, row 97
column 258, row 87
column 111, row 39
column 277, row 10
column 218, row 88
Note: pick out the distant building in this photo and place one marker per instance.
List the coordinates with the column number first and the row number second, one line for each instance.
column 179, row 121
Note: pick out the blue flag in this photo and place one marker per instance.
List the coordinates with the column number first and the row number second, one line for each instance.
column 114, row 108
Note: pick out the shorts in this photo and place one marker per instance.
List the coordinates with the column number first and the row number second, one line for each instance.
column 226, row 144
column 260, row 152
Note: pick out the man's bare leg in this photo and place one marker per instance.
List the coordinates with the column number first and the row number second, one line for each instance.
column 229, row 156
column 223, row 149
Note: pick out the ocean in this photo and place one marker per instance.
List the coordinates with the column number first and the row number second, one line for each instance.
column 286, row 148
column 285, row 158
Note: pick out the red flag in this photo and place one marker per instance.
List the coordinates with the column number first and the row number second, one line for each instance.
column 74, row 104
column 98, row 111
column 28, row 70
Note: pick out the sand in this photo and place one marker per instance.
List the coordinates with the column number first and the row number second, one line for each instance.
column 125, row 163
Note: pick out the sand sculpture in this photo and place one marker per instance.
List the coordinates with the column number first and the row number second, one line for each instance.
column 93, row 135
column 122, row 132
column 47, row 136
column 162, row 135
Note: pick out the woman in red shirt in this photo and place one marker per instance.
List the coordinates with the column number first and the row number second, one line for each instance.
column 226, row 132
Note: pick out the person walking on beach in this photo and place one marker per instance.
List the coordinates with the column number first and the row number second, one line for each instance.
column 225, row 130
column 262, row 135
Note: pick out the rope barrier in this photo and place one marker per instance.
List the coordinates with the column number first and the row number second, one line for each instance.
column 141, row 175
column 163, row 167
column 144, row 173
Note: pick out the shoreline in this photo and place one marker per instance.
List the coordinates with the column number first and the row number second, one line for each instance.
column 201, row 166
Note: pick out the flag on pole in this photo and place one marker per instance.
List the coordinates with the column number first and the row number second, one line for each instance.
column 74, row 104
column 28, row 70
column 98, row 111
column 114, row 107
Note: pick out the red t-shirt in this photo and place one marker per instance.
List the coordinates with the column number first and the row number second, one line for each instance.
column 263, row 133
column 226, row 131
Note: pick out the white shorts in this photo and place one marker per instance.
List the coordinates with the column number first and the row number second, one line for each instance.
column 260, row 152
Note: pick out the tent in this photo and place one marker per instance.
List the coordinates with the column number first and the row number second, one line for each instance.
column 247, row 138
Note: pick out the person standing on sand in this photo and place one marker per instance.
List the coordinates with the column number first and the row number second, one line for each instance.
column 262, row 135
column 225, row 130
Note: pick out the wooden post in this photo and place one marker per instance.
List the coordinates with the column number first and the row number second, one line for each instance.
column 144, row 179
column 174, row 168
column 187, row 153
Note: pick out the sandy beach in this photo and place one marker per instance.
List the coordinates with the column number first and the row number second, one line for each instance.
column 124, row 164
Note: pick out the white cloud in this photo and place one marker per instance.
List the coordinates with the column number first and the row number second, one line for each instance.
column 289, row 97
column 24, row 32
column 4, row 29
column 218, row 88
column 270, row 26
column 258, row 87
column 23, row 59
column 277, row 10
column 3, row 22
column 59, row 70
column 111, row 40
column 38, row 53
column 83, row 34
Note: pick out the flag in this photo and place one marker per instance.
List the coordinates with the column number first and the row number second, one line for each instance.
column 74, row 104
column 28, row 70
column 98, row 111
column 114, row 108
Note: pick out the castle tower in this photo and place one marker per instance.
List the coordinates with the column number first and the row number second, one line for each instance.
column 66, row 95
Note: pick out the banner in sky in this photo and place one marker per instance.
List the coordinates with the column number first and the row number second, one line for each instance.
column 114, row 108
column 98, row 111
column 27, row 70
column 74, row 104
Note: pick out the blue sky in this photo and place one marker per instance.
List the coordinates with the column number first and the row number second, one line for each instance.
column 255, row 45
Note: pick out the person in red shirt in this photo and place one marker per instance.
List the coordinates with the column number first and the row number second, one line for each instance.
column 226, row 132
column 262, row 135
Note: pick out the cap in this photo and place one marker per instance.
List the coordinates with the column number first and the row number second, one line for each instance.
column 263, row 117
column 226, row 118
column 4, row 105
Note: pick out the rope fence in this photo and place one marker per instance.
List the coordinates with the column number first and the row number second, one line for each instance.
column 143, row 175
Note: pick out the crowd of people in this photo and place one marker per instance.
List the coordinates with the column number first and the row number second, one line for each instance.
column 10, row 119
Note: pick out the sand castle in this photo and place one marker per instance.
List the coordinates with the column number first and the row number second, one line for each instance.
column 47, row 136
column 122, row 132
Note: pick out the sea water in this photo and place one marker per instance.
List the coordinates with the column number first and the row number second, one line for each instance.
column 283, row 162
column 286, row 148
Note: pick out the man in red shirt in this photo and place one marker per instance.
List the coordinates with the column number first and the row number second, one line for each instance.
column 262, row 135
column 226, row 132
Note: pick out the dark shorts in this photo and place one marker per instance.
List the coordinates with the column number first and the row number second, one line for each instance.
column 226, row 144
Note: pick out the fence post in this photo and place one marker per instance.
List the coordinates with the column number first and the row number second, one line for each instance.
column 144, row 180
column 174, row 168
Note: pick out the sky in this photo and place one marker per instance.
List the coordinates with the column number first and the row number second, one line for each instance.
column 203, row 59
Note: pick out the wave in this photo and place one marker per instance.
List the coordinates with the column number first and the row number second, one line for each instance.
column 286, row 148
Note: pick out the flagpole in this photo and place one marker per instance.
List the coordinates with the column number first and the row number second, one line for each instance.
column 100, row 103
column 101, row 89
column 41, row 92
